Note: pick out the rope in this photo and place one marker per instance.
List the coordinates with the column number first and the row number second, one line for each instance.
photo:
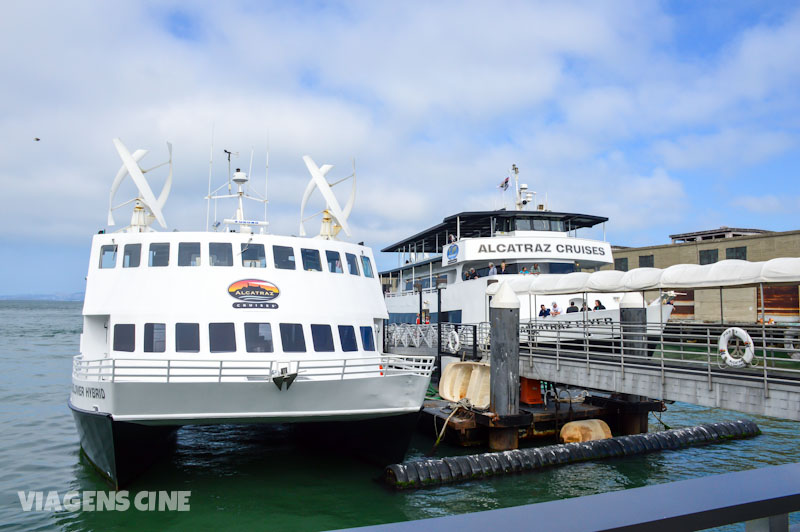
column 462, row 403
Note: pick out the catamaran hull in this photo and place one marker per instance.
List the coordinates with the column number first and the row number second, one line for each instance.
column 373, row 417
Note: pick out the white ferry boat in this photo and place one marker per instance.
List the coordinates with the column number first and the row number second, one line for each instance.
column 232, row 326
column 469, row 251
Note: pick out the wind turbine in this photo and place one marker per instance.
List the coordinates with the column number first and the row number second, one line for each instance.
column 334, row 218
column 147, row 208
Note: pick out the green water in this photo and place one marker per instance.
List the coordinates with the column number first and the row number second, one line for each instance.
column 252, row 478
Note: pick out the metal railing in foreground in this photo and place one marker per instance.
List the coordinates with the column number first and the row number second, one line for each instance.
column 205, row 370
column 761, row 497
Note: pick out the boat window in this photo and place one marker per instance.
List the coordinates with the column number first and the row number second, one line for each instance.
column 189, row 254
column 159, row 255
column 155, row 338
column 258, row 337
column 560, row 267
column 108, row 256
column 253, row 256
column 522, row 224
column 124, row 334
column 334, row 261
column 557, row 225
column 367, row 340
column 187, row 337
column 284, row 257
column 221, row 338
column 292, row 338
column 541, row 225
column 132, row 256
column 220, row 254
column 367, row 266
column 352, row 263
column 323, row 339
column 311, row 260
column 347, row 335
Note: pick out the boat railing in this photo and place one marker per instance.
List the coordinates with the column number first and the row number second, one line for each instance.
column 772, row 352
column 204, row 370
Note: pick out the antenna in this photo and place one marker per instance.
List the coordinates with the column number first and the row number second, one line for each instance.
column 266, row 181
column 236, row 153
column 210, row 168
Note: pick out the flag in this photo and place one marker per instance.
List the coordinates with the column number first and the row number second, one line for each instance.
column 504, row 184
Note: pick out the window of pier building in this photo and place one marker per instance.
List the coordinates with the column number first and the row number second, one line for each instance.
column 322, row 337
column 621, row 264
column 187, row 337
column 108, row 256
column 258, row 337
column 709, row 256
column 155, row 337
column 347, row 336
column 646, row 261
column 220, row 254
column 739, row 253
column 352, row 263
column 124, row 337
column 132, row 256
column 189, row 254
column 284, row 257
column 158, row 255
column 254, row 256
column 292, row 338
column 367, row 266
column 221, row 338
column 367, row 339
column 311, row 260
column 334, row 261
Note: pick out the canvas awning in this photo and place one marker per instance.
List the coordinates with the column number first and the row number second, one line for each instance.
column 719, row 274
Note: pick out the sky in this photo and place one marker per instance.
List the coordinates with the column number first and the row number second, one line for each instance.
column 665, row 117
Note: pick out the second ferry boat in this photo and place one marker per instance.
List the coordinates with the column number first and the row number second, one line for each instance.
column 469, row 251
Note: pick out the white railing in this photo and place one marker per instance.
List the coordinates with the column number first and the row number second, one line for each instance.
column 204, row 370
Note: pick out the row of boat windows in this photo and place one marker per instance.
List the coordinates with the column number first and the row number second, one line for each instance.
column 257, row 338
column 221, row 254
column 527, row 224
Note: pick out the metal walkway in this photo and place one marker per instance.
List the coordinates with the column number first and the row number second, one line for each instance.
column 682, row 363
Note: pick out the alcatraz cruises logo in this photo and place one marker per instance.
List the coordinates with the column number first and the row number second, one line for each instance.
column 254, row 293
column 452, row 253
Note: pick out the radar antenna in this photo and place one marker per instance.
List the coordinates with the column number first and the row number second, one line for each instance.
column 334, row 218
column 147, row 208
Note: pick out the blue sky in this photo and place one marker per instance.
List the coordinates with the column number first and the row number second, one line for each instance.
column 664, row 116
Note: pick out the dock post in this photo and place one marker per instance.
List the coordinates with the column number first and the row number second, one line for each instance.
column 504, row 395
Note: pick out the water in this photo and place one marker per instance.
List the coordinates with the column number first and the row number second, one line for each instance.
column 252, row 478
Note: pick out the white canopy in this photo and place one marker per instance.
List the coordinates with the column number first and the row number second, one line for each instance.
column 719, row 274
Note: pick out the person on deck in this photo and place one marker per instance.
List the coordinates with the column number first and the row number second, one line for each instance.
column 502, row 268
column 556, row 311
column 535, row 270
column 472, row 274
column 585, row 307
column 524, row 270
column 572, row 307
column 492, row 269
column 598, row 305
column 543, row 311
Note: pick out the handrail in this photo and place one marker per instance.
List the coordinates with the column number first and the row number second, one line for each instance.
column 185, row 370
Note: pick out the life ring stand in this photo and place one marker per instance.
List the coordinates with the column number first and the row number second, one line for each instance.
column 736, row 362
column 453, row 342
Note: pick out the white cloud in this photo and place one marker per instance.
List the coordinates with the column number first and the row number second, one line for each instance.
column 434, row 100
column 730, row 148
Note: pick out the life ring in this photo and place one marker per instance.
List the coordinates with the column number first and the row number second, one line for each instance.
column 730, row 360
column 453, row 342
